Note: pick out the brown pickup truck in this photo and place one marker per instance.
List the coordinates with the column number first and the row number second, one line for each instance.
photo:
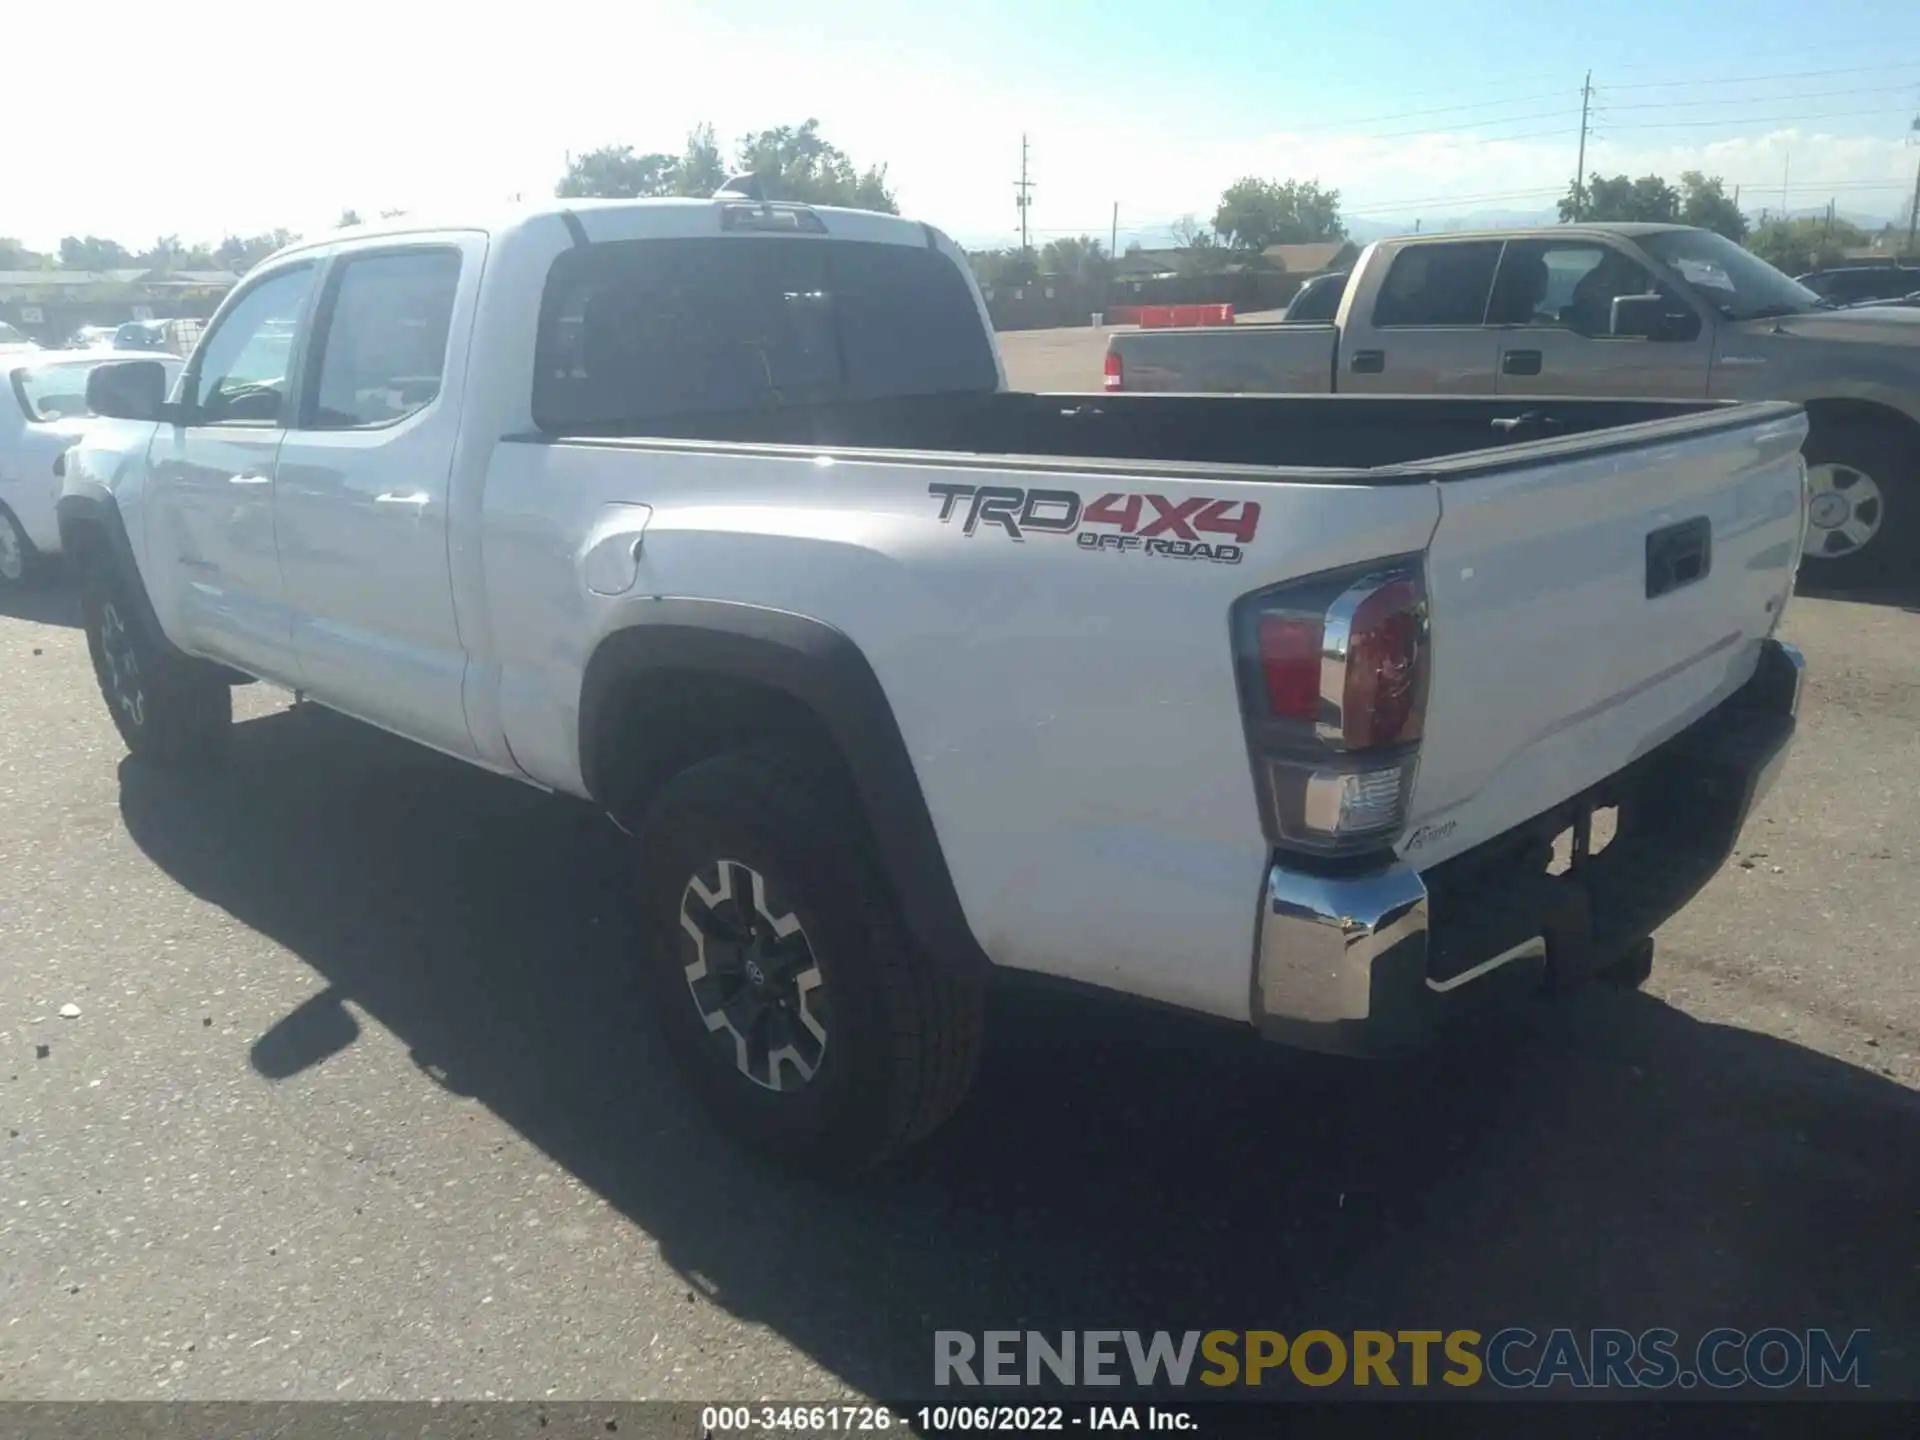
column 1643, row 311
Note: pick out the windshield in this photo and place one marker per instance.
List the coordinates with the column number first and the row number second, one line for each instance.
column 1736, row 282
column 59, row 392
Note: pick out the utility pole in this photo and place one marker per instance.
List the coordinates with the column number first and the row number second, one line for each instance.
column 1786, row 172
column 1913, row 217
column 1113, row 239
column 1913, row 220
column 1580, row 165
column 1827, row 234
column 1023, row 197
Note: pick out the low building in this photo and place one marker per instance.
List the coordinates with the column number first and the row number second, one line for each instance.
column 51, row 304
column 1317, row 258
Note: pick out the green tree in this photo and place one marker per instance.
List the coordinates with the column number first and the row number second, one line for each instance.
column 1077, row 257
column 614, row 172
column 167, row 253
column 1618, row 198
column 1810, row 243
column 794, row 160
column 240, row 254
column 701, row 169
column 92, row 253
column 797, row 164
column 1256, row 213
column 1704, row 202
column 1012, row 266
column 1201, row 252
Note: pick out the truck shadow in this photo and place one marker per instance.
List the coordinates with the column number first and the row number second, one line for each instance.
column 1895, row 595
column 1608, row 1163
column 52, row 600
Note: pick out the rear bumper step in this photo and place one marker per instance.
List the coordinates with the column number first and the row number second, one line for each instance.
column 1377, row 962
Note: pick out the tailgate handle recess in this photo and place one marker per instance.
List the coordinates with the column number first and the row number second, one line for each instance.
column 1678, row 555
column 1369, row 362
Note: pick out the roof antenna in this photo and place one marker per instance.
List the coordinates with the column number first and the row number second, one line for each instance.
column 744, row 186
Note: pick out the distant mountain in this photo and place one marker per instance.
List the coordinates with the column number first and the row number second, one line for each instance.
column 1872, row 224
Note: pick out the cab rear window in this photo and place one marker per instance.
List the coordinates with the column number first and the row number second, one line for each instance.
column 634, row 332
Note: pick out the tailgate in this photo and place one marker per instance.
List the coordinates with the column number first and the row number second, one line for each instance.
column 1226, row 359
column 1590, row 598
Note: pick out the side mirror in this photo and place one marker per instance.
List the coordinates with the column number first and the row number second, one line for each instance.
column 128, row 390
column 1651, row 317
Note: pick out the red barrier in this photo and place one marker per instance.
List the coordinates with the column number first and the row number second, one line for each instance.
column 1163, row 317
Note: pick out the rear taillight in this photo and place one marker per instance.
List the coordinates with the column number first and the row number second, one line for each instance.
column 1116, row 374
column 1333, row 682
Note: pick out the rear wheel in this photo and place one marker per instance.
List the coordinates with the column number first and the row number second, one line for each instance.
column 168, row 709
column 780, row 972
column 19, row 561
column 1863, row 503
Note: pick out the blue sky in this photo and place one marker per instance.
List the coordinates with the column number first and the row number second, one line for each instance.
column 1412, row 110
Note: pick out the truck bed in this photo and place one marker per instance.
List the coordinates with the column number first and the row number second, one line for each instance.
column 1395, row 437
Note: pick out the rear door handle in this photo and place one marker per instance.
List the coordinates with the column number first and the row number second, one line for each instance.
column 249, row 479
column 411, row 503
column 1520, row 362
column 1368, row 362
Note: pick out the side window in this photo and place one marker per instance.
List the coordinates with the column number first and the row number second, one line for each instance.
column 245, row 366
column 1569, row 284
column 1318, row 300
column 1438, row 284
column 383, row 345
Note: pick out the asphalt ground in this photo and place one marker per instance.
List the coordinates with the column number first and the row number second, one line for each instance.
column 360, row 1101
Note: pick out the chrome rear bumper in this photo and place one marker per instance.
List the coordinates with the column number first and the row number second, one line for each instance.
column 1373, row 962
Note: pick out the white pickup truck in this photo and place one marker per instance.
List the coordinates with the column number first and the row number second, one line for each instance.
column 719, row 514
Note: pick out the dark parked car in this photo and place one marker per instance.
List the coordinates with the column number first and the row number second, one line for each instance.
column 1864, row 284
column 141, row 335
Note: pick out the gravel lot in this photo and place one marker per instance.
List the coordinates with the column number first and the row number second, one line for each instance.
column 358, row 1102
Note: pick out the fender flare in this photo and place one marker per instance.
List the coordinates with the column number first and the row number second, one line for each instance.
column 79, row 512
column 822, row 668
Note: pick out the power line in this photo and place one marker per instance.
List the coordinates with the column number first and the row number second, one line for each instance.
column 1796, row 52
column 1748, row 120
column 1757, row 79
column 1765, row 99
column 1438, row 110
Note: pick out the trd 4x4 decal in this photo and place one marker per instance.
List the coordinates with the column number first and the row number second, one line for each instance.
column 1178, row 529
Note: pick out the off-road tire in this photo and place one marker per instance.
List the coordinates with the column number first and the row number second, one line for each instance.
column 903, row 1033
column 169, row 709
column 25, row 563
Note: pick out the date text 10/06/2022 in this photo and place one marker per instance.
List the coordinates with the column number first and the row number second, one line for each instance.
column 719, row 1420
